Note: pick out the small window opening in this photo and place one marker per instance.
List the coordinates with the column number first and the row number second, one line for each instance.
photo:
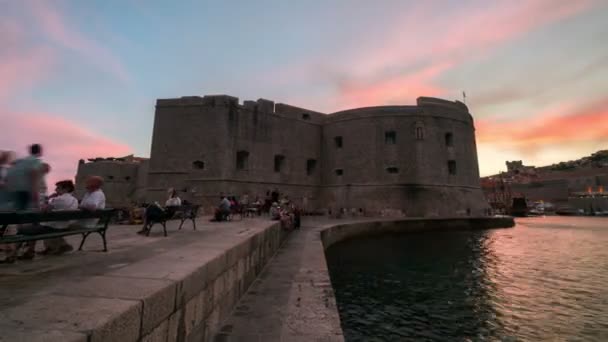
column 339, row 172
column 305, row 116
column 392, row 169
column 449, row 139
column 198, row 165
column 311, row 165
column 279, row 163
column 110, row 177
column 242, row 160
column 338, row 142
column 419, row 133
column 127, row 178
column 452, row 167
column 390, row 137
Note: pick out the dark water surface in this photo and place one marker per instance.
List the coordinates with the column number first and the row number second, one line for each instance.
column 545, row 279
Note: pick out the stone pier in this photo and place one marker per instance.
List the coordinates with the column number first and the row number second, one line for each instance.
column 233, row 281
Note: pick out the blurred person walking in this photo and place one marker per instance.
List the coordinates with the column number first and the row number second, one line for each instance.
column 23, row 180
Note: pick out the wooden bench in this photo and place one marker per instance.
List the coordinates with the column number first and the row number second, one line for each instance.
column 183, row 213
column 38, row 217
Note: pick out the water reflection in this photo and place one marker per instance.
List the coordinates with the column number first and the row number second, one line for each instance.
column 544, row 279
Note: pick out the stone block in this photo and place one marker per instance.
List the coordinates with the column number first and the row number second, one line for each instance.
column 103, row 319
column 190, row 284
column 219, row 287
column 176, row 330
column 158, row 296
column 240, row 272
column 207, row 301
column 193, row 314
column 158, row 334
column 21, row 334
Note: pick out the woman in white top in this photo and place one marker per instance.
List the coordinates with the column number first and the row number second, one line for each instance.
column 63, row 201
column 174, row 200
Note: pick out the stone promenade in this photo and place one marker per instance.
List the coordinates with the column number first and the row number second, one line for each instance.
column 156, row 288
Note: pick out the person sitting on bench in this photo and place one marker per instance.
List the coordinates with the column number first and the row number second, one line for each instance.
column 172, row 203
column 63, row 201
column 223, row 210
column 156, row 213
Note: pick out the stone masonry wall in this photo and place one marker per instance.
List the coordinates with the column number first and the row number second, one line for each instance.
column 420, row 160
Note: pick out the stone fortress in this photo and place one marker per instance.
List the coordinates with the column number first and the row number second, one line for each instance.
column 416, row 160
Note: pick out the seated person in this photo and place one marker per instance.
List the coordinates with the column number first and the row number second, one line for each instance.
column 156, row 213
column 275, row 211
column 287, row 219
column 62, row 201
column 172, row 203
column 223, row 210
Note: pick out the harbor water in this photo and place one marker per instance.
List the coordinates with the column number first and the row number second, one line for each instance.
column 544, row 279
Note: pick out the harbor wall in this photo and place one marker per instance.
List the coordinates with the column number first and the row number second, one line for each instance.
column 340, row 232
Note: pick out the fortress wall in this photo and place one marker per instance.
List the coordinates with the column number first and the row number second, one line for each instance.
column 119, row 180
column 213, row 129
column 188, row 131
column 298, row 113
column 421, row 185
column 411, row 174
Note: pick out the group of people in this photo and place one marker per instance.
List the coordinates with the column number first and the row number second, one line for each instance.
column 279, row 209
column 23, row 187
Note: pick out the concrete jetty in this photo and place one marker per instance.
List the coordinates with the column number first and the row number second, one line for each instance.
column 245, row 280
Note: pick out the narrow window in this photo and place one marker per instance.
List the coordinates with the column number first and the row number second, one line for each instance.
column 339, row 172
column 419, row 133
column 311, row 165
column 449, row 139
column 338, row 142
column 110, row 177
column 452, row 167
column 390, row 137
column 198, row 165
column 392, row 169
column 127, row 178
column 279, row 163
column 305, row 116
column 242, row 160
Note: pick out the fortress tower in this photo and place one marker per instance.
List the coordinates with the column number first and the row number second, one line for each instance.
column 421, row 160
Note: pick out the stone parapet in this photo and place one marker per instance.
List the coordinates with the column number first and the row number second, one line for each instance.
column 176, row 295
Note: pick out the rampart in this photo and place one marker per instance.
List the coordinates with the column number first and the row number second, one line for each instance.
column 417, row 160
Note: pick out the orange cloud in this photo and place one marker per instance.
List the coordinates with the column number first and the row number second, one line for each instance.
column 64, row 142
column 589, row 123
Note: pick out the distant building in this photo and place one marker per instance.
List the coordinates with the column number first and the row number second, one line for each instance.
column 420, row 160
column 555, row 183
column 124, row 178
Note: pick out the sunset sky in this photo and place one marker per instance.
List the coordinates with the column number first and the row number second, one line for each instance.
column 82, row 77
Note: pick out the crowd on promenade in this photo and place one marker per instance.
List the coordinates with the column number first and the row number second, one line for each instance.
column 23, row 186
column 278, row 207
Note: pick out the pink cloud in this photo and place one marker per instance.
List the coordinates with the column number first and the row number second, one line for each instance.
column 56, row 27
column 391, row 89
column 21, row 66
column 422, row 45
column 64, row 142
